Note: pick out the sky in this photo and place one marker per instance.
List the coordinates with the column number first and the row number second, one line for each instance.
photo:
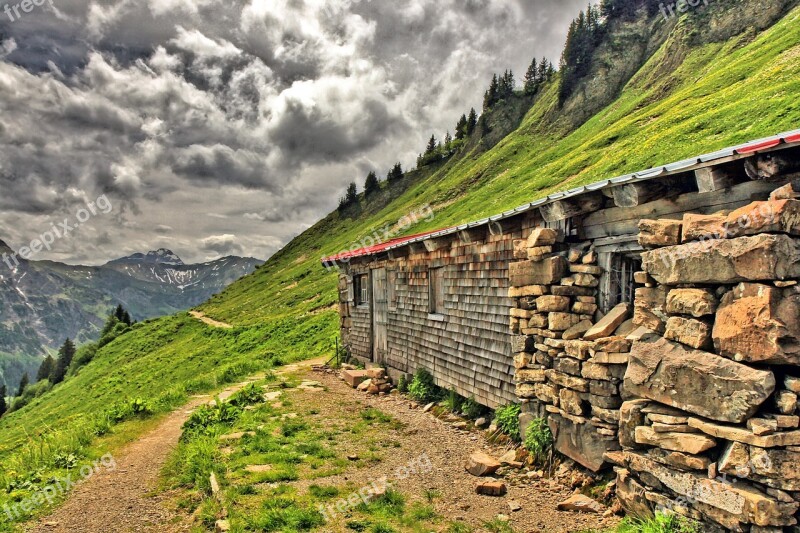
column 227, row 128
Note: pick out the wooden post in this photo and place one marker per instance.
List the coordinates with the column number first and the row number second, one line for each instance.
column 634, row 194
column 712, row 179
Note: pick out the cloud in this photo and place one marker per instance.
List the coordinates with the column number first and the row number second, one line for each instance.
column 259, row 111
column 222, row 245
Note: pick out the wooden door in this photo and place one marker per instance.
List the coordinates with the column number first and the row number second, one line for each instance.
column 380, row 315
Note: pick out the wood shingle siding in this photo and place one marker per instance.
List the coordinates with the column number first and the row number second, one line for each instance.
column 466, row 343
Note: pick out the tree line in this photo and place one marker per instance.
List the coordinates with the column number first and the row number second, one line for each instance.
column 585, row 34
column 372, row 184
column 68, row 360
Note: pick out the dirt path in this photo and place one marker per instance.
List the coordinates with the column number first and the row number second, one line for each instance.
column 122, row 499
column 210, row 321
column 448, row 447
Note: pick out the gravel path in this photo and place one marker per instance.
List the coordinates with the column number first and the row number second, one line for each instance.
column 209, row 321
column 120, row 499
column 125, row 499
column 448, row 449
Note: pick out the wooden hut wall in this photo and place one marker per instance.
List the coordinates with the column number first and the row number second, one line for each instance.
column 468, row 346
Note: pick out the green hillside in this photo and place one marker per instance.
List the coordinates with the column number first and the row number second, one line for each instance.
column 713, row 95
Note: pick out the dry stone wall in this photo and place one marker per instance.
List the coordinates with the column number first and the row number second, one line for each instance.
column 569, row 367
column 710, row 428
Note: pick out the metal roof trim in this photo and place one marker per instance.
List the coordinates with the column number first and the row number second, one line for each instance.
column 650, row 173
column 756, row 147
column 719, row 154
column 682, row 165
column 790, row 137
column 598, row 185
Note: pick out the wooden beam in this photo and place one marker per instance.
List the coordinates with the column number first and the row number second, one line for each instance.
column 468, row 236
column 416, row 248
column 399, row 253
column 432, row 245
column 621, row 221
column 712, row 179
column 771, row 167
column 564, row 209
column 634, row 194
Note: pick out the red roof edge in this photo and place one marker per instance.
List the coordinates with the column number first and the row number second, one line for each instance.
column 794, row 138
column 377, row 248
column 763, row 145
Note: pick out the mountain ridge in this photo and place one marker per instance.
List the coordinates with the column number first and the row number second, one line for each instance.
column 44, row 302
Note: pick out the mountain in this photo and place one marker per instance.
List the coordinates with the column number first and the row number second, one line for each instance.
column 707, row 79
column 44, row 302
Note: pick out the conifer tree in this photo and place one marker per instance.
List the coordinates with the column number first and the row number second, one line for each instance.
column 351, row 196
column 432, row 145
column 371, row 184
column 491, row 96
column 448, row 140
column 472, row 121
column 3, row 404
column 396, row 173
column 532, row 78
column 65, row 355
column 461, row 127
column 23, row 384
column 46, row 368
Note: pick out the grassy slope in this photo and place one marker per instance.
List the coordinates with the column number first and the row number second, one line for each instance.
column 722, row 94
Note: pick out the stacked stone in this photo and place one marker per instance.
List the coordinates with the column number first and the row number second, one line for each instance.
column 573, row 382
column 711, row 428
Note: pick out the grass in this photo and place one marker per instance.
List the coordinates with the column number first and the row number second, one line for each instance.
column 302, row 462
column 661, row 523
column 721, row 94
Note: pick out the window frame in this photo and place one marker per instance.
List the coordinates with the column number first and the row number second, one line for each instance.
column 361, row 290
column 436, row 292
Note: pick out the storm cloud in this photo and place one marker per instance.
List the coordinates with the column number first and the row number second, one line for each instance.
column 219, row 128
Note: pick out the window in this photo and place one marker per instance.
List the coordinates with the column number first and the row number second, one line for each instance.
column 391, row 282
column 361, row 289
column 619, row 286
column 436, row 290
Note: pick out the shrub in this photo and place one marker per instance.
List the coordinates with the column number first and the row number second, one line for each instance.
column 208, row 416
column 402, row 384
column 124, row 410
column 453, row 401
column 507, row 419
column 539, row 441
column 472, row 409
column 423, row 388
column 249, row 395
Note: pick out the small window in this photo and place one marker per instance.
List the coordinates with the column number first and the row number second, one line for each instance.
column 361, row 289
column 621, row 286
column 436, row 290
column 391, row 282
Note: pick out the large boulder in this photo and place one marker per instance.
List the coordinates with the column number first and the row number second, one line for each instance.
column 580, row 442
column 695, row 381
column 759, row 323
column 776, row 216
column 654, row 233
column 744, row 502
column 695, row 302
column 759, row 258
column 546, row 272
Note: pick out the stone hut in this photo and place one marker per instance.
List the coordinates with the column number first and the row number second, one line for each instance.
column 653, row 319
